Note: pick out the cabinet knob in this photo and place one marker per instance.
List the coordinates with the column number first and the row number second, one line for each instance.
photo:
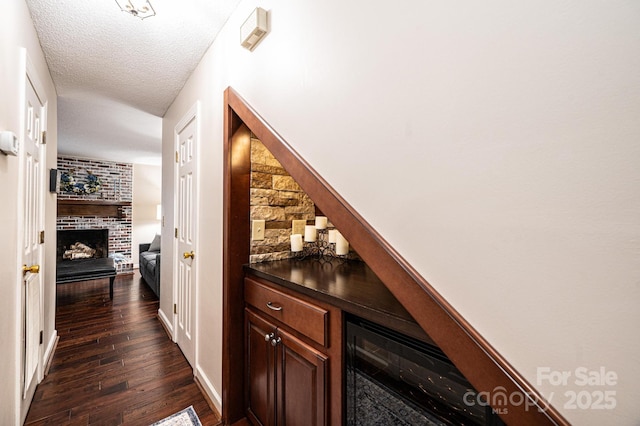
column 269, row 336
column 274, row 342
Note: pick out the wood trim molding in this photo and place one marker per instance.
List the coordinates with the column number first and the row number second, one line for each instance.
column 483, row 366
column 100, row 208
column 237, row 175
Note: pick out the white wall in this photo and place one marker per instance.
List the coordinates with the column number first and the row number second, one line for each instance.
column 507, row 131
column 147, row 180
column 16, row 34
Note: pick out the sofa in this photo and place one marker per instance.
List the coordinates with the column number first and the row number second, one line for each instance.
column 149, row 257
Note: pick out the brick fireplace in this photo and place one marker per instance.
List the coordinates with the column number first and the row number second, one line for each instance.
column 96, row 239
column 108, row 209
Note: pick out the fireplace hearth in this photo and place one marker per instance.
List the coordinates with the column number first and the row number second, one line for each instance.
column 74, row 244
column 82, row 255
column 111, row 209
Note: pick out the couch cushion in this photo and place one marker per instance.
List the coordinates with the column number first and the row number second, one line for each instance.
column 148, row 256
column 150, row 266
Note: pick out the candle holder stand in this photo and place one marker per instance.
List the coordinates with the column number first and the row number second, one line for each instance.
column 320, row 249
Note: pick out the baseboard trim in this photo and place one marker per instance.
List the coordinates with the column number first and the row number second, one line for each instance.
column 50, row 351
column 212, row 397
column 166, row 324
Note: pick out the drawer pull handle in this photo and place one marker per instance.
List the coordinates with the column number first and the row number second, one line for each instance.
column 273, row 308
column 275, row 342
column 269, row 336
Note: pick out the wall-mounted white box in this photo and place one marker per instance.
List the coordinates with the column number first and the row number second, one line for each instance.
column 254, row 28
column 9, row 143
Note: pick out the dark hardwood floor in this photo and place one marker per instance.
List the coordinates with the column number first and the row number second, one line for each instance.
column 114, row 363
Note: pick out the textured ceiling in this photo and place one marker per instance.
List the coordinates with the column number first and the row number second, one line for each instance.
column 116, row 74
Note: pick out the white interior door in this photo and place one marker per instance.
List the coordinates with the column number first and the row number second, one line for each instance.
column 186, row 230
column 31, row 250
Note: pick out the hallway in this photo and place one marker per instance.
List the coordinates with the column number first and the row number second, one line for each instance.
column 114, row 363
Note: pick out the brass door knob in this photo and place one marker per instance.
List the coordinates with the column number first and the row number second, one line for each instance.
column 189, row 254
column 34, row 269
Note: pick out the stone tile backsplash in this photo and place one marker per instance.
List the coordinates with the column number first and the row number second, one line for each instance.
column 277, row 199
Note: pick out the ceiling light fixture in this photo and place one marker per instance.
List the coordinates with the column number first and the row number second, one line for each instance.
column 139, row 8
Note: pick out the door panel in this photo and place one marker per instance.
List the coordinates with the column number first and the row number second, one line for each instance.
column 186, row 237
column 31, row 250
column 32, row 328
column 261, row 380
column 302, row 391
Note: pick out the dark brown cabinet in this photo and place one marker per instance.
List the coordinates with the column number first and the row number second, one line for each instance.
column 288, row 358
column 260, row 366
column 287, row 379
column 303, row 386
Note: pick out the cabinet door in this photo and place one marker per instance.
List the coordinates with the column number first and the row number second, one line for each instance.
column 302, row 383
column 260, row 368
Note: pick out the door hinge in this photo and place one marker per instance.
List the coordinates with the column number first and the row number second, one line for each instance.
column 177, row 156
column 44, row 137
column 175, row 308
column 176, row 232
column 41, row 237
column 41, row 336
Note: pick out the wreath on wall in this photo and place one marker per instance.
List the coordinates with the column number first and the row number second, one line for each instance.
column 90, row 185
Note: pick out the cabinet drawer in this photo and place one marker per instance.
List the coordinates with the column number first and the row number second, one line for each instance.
column 301, row 316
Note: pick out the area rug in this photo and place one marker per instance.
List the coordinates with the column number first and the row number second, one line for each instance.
column 186, row 417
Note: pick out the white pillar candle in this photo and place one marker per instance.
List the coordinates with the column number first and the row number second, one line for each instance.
column 332, row 235
column 296, row 243
column 321, row 222
column 342, row 245
column 310, row 233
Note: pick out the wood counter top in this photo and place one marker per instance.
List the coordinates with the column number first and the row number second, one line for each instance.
column 351, row 286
